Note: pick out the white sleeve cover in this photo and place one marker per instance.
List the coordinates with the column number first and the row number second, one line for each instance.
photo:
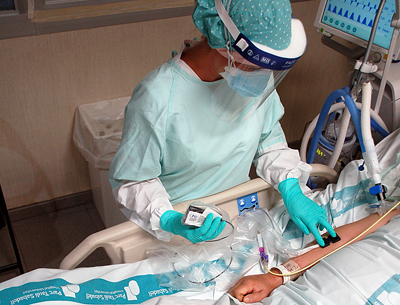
column 143, row 203
column 279, row 162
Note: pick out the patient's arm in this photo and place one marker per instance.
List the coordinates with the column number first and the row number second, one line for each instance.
column 254, row 288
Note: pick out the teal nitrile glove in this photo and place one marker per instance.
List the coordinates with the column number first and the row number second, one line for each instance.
column 171, row 221
column 305, row 213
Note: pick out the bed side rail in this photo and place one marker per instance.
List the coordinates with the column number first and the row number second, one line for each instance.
column 126, row 242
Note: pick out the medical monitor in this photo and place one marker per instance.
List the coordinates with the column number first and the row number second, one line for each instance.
column 352, row 20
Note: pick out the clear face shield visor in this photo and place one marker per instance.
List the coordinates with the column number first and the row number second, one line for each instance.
column 246, row 88
column 253, row 72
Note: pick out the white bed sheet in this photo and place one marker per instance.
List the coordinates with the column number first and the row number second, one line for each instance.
column 367, row 272
column 115, row 284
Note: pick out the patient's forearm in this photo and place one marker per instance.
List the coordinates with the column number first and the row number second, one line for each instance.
column 346, row 233
column 256, row 287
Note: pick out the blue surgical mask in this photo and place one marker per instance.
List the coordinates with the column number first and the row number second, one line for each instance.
column 247, row 84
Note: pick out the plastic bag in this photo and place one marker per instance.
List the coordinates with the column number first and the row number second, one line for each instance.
column 275, row 245
column 98, row 130
column 216, row 264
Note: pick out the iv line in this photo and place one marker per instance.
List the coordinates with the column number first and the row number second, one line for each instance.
column 342, row 246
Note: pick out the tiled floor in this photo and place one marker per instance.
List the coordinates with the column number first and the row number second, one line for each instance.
column 46, row 233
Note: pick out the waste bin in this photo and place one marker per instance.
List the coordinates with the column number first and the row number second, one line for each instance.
column 97, row 134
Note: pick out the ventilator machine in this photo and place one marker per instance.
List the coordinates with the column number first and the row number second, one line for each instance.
column 373, row 26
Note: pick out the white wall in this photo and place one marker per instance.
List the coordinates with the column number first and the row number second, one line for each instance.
column 42, row 81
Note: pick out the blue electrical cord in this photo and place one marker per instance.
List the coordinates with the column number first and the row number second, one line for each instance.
column 338, row 96
column 355, row 116
column 335, row 96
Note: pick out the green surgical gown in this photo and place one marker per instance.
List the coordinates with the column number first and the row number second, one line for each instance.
column 171, row 132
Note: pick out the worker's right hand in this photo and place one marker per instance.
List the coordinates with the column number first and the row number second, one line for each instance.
column 171, row 221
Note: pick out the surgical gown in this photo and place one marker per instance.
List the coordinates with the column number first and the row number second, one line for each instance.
column 172, row 134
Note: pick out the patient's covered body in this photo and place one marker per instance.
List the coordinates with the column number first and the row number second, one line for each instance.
column 348, row 200
column 366, row 272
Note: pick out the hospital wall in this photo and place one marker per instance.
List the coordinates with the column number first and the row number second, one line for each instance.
column 44, row 78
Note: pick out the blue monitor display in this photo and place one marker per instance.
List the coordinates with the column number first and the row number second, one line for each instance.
column 355, row 17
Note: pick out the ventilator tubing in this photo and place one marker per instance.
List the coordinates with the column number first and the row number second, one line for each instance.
column 369, row 155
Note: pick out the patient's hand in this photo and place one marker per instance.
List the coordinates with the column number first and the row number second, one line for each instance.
column 254, row 288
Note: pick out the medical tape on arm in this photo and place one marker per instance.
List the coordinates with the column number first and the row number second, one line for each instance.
column 289, row 271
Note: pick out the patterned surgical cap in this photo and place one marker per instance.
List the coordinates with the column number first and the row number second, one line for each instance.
column 267, row 22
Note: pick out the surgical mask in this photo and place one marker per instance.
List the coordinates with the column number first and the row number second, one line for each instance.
column 243, row 90
column 247, row 83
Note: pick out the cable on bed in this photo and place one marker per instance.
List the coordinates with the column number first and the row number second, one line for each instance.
column 296, row 273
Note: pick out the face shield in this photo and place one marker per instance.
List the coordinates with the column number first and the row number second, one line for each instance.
column 253, row 71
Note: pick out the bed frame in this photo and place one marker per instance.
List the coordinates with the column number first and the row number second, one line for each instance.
column 127, row 243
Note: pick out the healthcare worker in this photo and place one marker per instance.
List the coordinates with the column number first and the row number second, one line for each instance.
column 194, row 125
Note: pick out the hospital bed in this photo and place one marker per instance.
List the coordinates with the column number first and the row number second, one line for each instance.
column 352, row 275
column 127, row 243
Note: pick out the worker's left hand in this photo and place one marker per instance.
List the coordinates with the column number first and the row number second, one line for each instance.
column 305, row 213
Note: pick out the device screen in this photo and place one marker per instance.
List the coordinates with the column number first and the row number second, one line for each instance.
column 356, row 18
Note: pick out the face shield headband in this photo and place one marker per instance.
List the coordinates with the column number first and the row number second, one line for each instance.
column 245, row 90
column 260, row 55
column 251, row 53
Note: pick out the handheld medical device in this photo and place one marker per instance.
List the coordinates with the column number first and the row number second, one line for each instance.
column 197, row 212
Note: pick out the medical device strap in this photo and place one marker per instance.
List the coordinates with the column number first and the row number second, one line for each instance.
column 226, row 19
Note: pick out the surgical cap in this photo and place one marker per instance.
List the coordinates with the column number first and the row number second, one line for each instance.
column 267, row 22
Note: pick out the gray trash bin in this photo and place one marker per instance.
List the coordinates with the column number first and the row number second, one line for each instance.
column 97, row 134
